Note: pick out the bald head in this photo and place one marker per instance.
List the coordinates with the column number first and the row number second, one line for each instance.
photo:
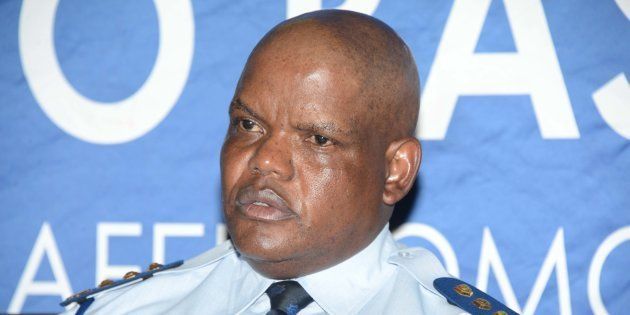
column 371, row 57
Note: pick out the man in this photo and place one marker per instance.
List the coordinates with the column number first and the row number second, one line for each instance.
column 319, row 149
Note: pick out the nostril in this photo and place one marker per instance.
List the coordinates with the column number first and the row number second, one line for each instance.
column 272, row 157
column 255, row 170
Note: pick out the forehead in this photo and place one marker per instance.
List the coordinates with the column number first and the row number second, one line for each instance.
column 304, row 84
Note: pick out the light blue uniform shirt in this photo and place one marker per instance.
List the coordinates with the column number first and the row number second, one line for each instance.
column 383, row 278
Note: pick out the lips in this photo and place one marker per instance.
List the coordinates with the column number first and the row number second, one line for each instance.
column 263, row 205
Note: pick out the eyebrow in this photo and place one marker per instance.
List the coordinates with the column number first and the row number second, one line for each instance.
column 239, row 104
column 325, row 127
column 328, row 127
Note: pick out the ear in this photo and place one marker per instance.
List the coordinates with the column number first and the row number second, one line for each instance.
column 403, row 161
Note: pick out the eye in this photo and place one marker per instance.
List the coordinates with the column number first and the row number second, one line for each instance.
column 249, row 125
column 320, row 140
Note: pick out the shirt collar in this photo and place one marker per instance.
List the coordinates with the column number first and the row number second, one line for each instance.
column 251, row 286
column 356, row 279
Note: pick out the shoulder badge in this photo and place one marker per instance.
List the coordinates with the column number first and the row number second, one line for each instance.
column 469, row 298
column 83, row 297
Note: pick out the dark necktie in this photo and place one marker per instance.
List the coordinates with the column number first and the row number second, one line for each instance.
column 287, row 298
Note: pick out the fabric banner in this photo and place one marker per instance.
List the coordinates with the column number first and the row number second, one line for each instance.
column 113, row 114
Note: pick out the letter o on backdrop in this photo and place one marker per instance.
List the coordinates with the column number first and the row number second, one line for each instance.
column 595, row 270
column 97, row 122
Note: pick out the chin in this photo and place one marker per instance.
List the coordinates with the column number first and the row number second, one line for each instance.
column 269, row 257
column 270, row 241
column 262, row 249
column 275, row 267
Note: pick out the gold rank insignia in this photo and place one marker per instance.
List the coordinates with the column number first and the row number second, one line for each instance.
column 84, row 297
column 482, row 304
column 469, row 298
column 463, row 290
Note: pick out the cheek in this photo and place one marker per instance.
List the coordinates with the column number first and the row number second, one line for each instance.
column 233, row 165
column 340, row 193
column 328, row 192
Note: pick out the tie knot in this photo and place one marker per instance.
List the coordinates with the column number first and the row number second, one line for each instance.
column 287, row 297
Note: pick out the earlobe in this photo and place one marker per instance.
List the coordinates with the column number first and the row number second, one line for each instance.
column 403, row 161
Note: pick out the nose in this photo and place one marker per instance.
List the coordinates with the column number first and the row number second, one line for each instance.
column 273, row 157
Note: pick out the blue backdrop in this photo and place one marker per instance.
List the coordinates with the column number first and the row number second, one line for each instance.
column 113, row 113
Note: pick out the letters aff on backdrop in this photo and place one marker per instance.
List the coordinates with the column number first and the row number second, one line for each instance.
column 489, row 260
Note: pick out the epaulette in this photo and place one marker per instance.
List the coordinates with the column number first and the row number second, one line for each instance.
column 83, row 297
column 469, row 298
column 430, row 273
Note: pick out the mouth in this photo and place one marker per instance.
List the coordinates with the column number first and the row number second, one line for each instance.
column 262, row 205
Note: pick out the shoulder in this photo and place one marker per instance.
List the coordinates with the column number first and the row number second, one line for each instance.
column 171, row 280
column 432, row 278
